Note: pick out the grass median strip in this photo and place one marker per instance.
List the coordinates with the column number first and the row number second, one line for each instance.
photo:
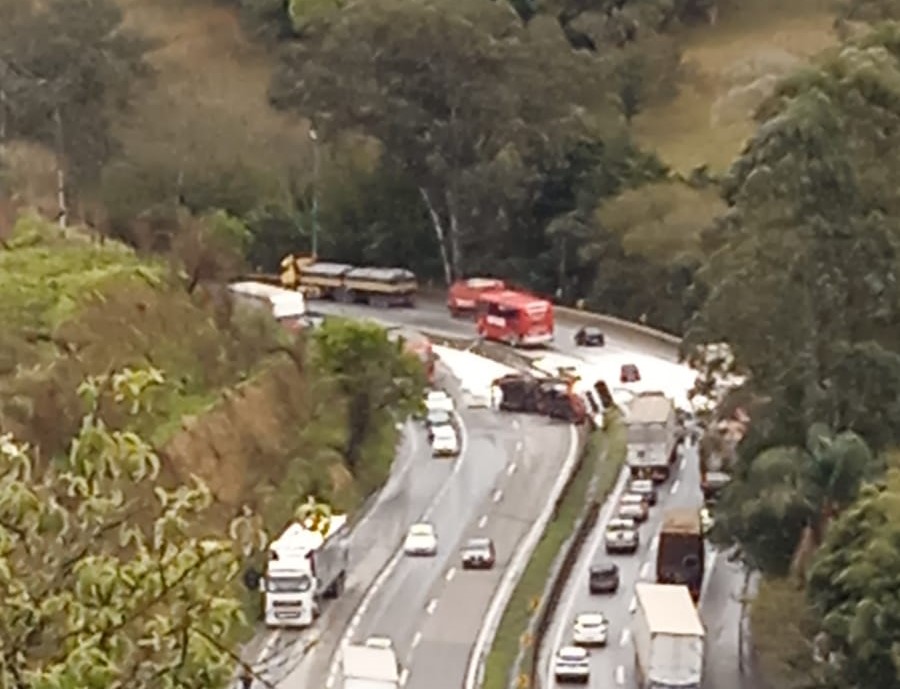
column 606, row 452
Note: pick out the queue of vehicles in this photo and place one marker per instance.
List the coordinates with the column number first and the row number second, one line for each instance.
column 668, row 636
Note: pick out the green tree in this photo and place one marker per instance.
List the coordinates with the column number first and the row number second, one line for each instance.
column 463, row 99
column 65, row 67
column 377, row 378
column 802, row 273
column 779, row 506
column 853, row 588
column 108, row 578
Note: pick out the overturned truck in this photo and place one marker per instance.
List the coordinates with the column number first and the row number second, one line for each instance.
column 553, row 397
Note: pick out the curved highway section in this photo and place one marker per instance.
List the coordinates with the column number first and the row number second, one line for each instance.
column 433, row 611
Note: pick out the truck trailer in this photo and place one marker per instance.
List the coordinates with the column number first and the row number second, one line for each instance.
column 304, row 567
column 680, row 557
column 668, row 638
column 652, row 426
column 372, row 665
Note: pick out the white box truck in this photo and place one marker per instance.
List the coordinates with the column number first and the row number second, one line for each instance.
column 652, row 426
column 304, row 567
column 668, row 638
column 372, row 665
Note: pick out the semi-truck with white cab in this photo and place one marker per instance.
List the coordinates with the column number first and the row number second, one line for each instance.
column 305, row 565
column 371, row 665
column 652, row 426
column 668, row 638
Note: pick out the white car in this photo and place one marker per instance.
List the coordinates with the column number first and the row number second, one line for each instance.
column 591, row 629
column 438, row 400
column 444, row 442
column 622, row 536
column 379, row 642
column 421, row 539
column 571, row 664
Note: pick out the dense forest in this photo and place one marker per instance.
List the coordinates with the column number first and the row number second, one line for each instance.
column 624, row 152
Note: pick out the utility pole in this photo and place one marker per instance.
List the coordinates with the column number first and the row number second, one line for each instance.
column 314, row 137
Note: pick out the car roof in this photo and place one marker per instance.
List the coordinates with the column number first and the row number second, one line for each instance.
column 479, row 542
column 440, row 394
column 631, row 497
column 572, row 652
column 590, row 617
column 444, row 429
column 621, row 523
column 422, row 527
column 591, row 329
column 604, row 567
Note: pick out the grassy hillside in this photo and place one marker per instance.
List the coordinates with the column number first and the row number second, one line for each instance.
column 727, row 70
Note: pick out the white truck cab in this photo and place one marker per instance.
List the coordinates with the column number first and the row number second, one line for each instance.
column 304, row 567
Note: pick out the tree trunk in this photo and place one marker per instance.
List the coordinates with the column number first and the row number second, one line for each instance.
column 456, row 259
column 440, row 234
column 63, row 217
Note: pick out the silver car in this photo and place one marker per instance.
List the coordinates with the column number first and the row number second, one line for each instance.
column 622, row 536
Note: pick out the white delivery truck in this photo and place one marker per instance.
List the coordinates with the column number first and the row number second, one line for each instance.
column 372, row 665
column 668, row 638
column 652, row 426
column 304, row 566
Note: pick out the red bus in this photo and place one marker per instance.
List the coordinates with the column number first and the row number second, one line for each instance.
column 462, row 299
column 515, row 318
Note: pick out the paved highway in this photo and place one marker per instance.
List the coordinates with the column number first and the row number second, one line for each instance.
column 420, row 486
column 720, row 607
column 432, row 642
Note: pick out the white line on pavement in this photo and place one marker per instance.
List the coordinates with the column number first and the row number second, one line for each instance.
column 482, row 522
column 620, row 674
column 675, row 486
column 626, row 634
column 511, row 469
column 404, row 677
column 417, row 639
column 632, row 606
column 645, row 570
column 450, row 574
column 432, row 605
column 498, row 494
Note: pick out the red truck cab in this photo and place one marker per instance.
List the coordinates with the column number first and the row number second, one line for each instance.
column 516, row 318
column 463, row 296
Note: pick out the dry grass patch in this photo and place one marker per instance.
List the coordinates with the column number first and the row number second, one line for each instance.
column 727, row 71
column 211, row 86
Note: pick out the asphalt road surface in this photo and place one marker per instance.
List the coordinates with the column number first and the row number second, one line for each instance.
column 420, row 591
column 720, row 606
column 431, row 642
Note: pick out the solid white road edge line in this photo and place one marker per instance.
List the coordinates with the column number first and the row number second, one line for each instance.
column 391, row 565
column 516, row 566
column 581, row 574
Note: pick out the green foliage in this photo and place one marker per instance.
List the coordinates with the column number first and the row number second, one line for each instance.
column 72, row 305
column 448, row 126
column 65, row 66
column 809, row 248
column 780, row 504
column 91, row 599
column 853, row 589
column 377, row 378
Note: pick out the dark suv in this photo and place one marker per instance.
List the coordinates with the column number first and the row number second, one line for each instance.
column 603, row 578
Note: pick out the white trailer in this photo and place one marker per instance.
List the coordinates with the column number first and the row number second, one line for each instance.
column 304, row 567
column 668, row 638
column 652, row 425
column 372, row 665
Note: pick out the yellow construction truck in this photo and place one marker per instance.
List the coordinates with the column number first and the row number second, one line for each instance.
column 342, row 282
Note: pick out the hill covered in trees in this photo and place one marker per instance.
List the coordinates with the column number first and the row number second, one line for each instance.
column 584, row 149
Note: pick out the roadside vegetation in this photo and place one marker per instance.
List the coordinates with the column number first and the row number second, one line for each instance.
column 718, row 169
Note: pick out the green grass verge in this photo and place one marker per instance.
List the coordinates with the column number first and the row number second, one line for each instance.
column 607, row 450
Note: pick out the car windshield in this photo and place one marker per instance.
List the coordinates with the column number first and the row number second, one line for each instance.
column 438, row 417
column 444, row 433
column 572, row 654
column 620, row 525
column 478, row 544
column 603, row 571
column 286, row 584
column 590, row 620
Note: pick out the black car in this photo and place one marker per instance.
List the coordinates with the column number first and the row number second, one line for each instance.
column 603, row 578
column 478, row 553
column 590, row 336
